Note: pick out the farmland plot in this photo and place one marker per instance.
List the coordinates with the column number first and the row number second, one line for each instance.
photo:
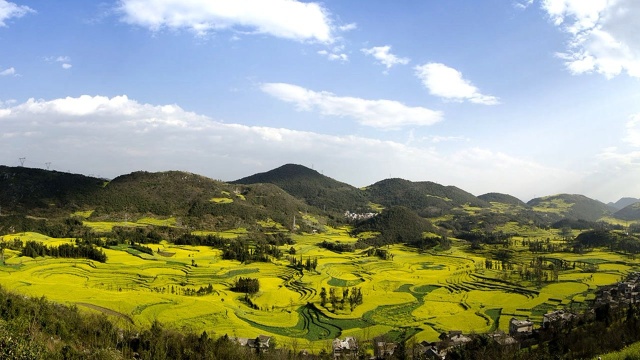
column 423, row 293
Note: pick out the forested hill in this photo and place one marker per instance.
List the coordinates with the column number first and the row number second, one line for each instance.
column 426, row 198
column 630, row 212
column 316, row 189
column 193, row 199
column 200, row 201
column 503, row 199
column 44, row 192
column 279, row 194
column 571, row 206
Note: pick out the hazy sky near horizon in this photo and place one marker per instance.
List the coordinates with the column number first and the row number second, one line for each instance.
column 525, row 97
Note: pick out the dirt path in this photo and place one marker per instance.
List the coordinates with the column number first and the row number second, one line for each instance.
column 106, row 311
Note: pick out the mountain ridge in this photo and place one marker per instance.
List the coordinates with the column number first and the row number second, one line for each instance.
column 290, row 188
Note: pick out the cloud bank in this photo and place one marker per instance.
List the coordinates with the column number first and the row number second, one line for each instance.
column 112, row 136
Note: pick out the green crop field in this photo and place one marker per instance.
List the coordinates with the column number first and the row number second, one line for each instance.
column 424, row 293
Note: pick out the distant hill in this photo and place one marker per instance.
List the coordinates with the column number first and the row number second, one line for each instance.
column 623, row 203
column 502, row 198
column 571, row 206
column 202, row 201
column 198, row 201
column 630, row 212
column 40, row 192
column 316, row 189
column 426, row 198
column 280, row 194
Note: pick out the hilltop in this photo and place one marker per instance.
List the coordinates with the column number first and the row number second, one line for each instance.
column 316, row 189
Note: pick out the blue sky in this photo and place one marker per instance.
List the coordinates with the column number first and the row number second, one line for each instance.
column 527, row 97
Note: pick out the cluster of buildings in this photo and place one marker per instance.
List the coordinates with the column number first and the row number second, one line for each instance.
column 259, row 344
column 623, row 293
column 356, row 217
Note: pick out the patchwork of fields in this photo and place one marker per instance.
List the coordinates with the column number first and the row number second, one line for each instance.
column 423, row 293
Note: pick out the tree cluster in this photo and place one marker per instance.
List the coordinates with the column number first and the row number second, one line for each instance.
column 613, row 240
column 337, row 247
column 246, row 285
column 308, row 264
column 353, row 298
column 34, row 249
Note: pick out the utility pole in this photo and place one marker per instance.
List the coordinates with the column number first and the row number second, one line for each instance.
column 22, row 159
column 47, row 164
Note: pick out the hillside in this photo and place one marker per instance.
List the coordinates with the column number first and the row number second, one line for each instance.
column 41, row 192
column 316, row 189
column 198, row 200
column 426, row 198
column 623, row 203
column 502, row 198
column 395, row 225
column 629, row 213
column 195, row 200
column 556, row 207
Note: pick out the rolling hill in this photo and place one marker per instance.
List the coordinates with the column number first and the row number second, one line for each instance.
column 316, row 189
column 42, row 192
column 279, row 194
column 573, row 206
column 629, row 213
column 502, row 198
column 623, row 202
column 426, row 198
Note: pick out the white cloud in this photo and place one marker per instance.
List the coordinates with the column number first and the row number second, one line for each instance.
column 523, row 5
column 65, row 60
column 290, row 19
column 383, row 55
column 8, row 72
column 334, row 56
column 348, row 27
column 605, row 35
column 384, row 114
column 10, row 10
column 449, row 84
column 113, row 136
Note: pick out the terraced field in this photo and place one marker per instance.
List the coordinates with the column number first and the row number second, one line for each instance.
column 423, row 293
